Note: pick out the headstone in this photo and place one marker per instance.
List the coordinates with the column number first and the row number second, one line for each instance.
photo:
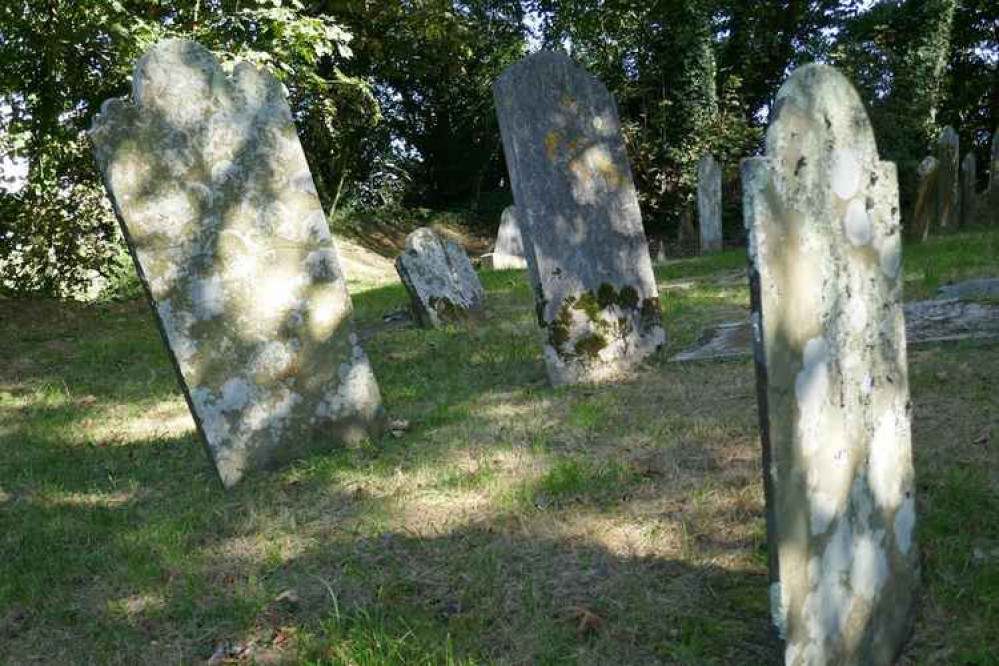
column 993, row 196
column 822, row 213
column 588, row 259
column 709, row 204
column 948, row 194
column 509, row 249
column 220, row 213
column 439, row 278
column 969, row 198
column 924, row 211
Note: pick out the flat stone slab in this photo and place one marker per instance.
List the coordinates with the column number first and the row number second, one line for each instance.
column 977, row 289
column 588, row 260
column 221, row 215
column 439, row 278
column 926, row 323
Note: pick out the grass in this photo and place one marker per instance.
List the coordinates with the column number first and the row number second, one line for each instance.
column 512, row 523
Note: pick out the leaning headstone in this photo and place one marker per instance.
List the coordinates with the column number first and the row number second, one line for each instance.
column 439, row 278
column 508, row 252
column 822, row 213
column 969, row 198
column 709, row 193
column 924, row 211
column 220, row 213
column 948, row 180
column 595, row 292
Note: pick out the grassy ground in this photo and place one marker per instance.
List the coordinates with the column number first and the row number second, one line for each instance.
column 512, row 523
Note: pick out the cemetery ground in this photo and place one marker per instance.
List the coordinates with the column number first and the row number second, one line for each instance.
column 508, row 523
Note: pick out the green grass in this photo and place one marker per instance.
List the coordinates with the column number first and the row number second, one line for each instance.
column 511, row 523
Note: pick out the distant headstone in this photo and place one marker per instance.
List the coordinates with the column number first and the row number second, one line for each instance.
column 217, row 203
column 924, row 211
column 969, row 197
column 508, row 252
column 439, row 278
column 595, row 291
column 993, row 196
column 948, row 180
column 825, row 248
column 709, row 193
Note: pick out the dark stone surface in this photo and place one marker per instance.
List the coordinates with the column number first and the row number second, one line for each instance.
column 439, row 278
column 588, row 258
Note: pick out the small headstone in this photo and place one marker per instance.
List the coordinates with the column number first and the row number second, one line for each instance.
column 825, row 250
column 924, row 211
column 709, row 193
column 220, row 212
column 509, row 249
column 969, row 198
column 948, row 180
column 588, row 259
column 439, row 278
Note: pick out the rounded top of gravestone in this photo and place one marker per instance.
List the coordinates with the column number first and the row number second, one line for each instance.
column 948, row 136
column 968, row 163
column 928, row 165
column 422, row 239
column 178, row 79
column 819, row 110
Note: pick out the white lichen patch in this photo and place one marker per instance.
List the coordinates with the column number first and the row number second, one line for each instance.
column 869, row 570
column 208, row 297
column 845, row 173
column 857, row 223
column 779, row 608
column 811, row 390
column 888, row 453
column 274, row 359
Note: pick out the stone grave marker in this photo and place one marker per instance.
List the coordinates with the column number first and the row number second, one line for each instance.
column 948, row 179
column 969, row 197
column 439, row 278
column 993, row 195
column 508, row 252
column 924, row 210
column 595, row 292
column 822, row 213
column 220, row 213
column 709, row 203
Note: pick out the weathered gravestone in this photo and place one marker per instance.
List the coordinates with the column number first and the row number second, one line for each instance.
column 969, row 197
column 439, row 278
column 948, row 192
column 993, row 195
column 508, row 252
column 924, row 210
column 709, row 193
column 588, row 258
column 218, row 206
column 822, row 213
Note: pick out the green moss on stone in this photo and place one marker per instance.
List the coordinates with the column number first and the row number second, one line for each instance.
column 590, row 345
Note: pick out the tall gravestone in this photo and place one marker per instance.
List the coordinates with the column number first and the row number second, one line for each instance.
column 993, row 196
column 220, row 212
column 508, row 252
column 588, row 259
column 924, row 210
column 439, row 278
column 948, row 179
column 709, row 203
column 822, row 213
column 969, row 197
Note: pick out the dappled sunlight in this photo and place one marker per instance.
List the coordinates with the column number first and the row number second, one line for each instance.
column 113, row 499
